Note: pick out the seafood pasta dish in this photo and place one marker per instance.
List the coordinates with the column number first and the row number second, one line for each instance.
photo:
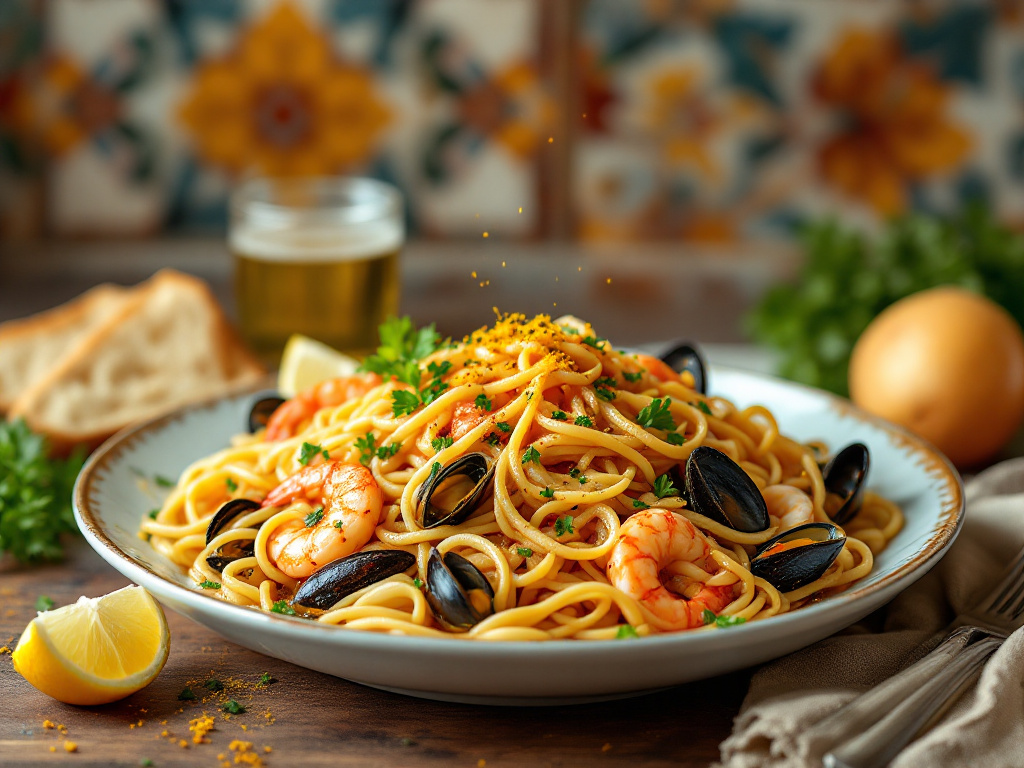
column 528, row 482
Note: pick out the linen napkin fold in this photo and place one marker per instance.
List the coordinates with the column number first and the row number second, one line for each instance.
column 985, row 727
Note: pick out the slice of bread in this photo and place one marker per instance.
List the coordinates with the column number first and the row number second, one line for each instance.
column 169, row 344
column 30, row 347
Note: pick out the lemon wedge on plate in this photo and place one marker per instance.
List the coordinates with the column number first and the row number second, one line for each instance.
column 97, row 650
column 306, row 362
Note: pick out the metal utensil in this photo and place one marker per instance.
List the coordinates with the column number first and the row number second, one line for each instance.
column 870, row 730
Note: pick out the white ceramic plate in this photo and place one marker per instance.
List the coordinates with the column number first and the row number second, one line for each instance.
column 109, row 505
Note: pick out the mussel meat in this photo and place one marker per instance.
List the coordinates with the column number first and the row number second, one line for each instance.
column 458, row 593
column 718, row 488
column 340, row 578
column 686, row 357
column 844, row 477
column 261, row 412
column 232, row 550
column 477, row 468
column 797, row 557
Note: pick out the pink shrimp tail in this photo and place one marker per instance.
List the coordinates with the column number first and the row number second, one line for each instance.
column 302, row 482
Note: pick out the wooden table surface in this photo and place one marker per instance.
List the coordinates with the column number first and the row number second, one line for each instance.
column 307, row 718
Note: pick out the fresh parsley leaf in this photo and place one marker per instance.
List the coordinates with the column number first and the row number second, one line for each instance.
column 637, row 504
column 604, row 381
column 231, row 484
column 440, row 443
column 207, row 584
column 531, row 454
column 186, row 694
column 281, row 606
column 524, row 551
column 563, row 525
column 153, row 514
column 233, row 707
column 504, row 426
column 657, row 415
column 594, row 341
column 437, row 370
column 605, row 388
column 146, row 763
column 583, row 421
column 314, row 517
column 214, row 684
column 339, row 524
column 400, row 345
column 729, row 621
column 44, row 603
column 663, row 486
column 483, row 402
column 493, row 438
column 265, row 680
column 404, row 402
column 384, row 452
column 559, row 415
column 308, row 452
column 35, row 494
column 708, row 616
column 547, row 493
column 163, row 482
column 418, row 583
column 633, row 377
column 574, row 472
column 432, row 391
column 704, row 407
column 366, row 446
column 626, row 632
column 674, row 438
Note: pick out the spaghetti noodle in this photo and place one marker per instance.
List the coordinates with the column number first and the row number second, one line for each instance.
column 582, row 527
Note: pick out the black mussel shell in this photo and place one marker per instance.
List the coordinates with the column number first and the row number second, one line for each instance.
column 719, row 488
column 342, row 577
column 228, row 512
column 478, row 468
column 233, row 550
column 844, row 476
column 458, row 593
column 799, row 566
column 676, row 475
column 688, row 357
column 261, row 412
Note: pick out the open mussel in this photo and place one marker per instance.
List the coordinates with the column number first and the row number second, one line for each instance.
column 686, row 357
column 797, row 557
column 458, row 593
column 232, row 550
column 844, row 477
column 342, row 577
column 477, row 468
column 718, row 488
column 261, row 412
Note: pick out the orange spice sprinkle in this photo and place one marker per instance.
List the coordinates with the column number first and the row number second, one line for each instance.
column 183, row 744
column 48, row 724
column 4, row 649
column 53, row 749
column 70, row 746
column 200, row 726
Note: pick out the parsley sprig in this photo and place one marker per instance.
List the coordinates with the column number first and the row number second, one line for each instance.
column 563, row 525
column 440, row 443
column 368, row 449
column 401, row 348
column 722, row 622
column 663, row 486
column 657, row 415
column 308, row 452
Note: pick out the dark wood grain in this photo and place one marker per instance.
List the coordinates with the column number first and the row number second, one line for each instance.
column 320, row 720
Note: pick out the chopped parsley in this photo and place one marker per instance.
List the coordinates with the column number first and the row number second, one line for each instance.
column 483, row 402
column 531, row 454
column 547, row 493
column 559, row 415
column 186, row 695
column 418, row 583
column 308, row 452
column 637, row 504
column 493, row 438
column 153, row 513
column 232, row 707
column 440, row 443
column 404, row 402
column 663, row 486
column 146, row 763
column 265, row 680
column 281, row 606
column 563, row 525
column 339, row 524
column 437, row 370
column 368, row 449
column 575, row 474
column 583, row 421
column 44, row 603
column 626, row 632
column 432, row 391
column 634, row 377
column 594, row 341
column 314, row 517
column 214, row 684
column 657, row 415
column 722, row 622
column 524, row 551
column 401, row 346
column 674, row 438
column 231, row 484
column 504, row 426
column 162, row 481
column 605, row 388
column 704, row 407
column 207, row 584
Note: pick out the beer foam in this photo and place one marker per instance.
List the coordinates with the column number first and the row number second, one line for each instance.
column 320, row 243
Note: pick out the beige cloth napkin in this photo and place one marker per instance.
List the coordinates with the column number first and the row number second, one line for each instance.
column 985, row 727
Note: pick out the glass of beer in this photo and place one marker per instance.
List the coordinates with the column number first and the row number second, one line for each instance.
column 316, row 256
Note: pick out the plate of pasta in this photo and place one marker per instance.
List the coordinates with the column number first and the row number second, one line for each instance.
column 526, row 515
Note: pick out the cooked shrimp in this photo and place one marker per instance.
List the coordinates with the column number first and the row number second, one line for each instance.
column 467, row 416
column 788, row 507
column 352, row 502
column 285, row 421
column 658, row 368
column 650, row 541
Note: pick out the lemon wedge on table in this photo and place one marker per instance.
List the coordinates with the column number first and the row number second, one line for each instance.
column 306, row 362
column 97, row 650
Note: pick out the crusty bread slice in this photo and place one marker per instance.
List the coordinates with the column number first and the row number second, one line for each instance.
column 30, row 347
column 170, row 344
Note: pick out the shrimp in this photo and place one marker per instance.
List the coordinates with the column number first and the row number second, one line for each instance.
column 285, row 421
column 468, row 416
column 650, row 541
column 658, row 368
column 788, row 507
column 352, row 503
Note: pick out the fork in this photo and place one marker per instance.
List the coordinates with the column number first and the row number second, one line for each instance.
column 870, row 730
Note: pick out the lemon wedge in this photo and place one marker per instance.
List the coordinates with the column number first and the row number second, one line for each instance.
column 97, row 650
column 306, row 362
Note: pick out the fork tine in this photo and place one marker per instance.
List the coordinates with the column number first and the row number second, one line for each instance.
column 1013, row 600
column 1010, row 583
